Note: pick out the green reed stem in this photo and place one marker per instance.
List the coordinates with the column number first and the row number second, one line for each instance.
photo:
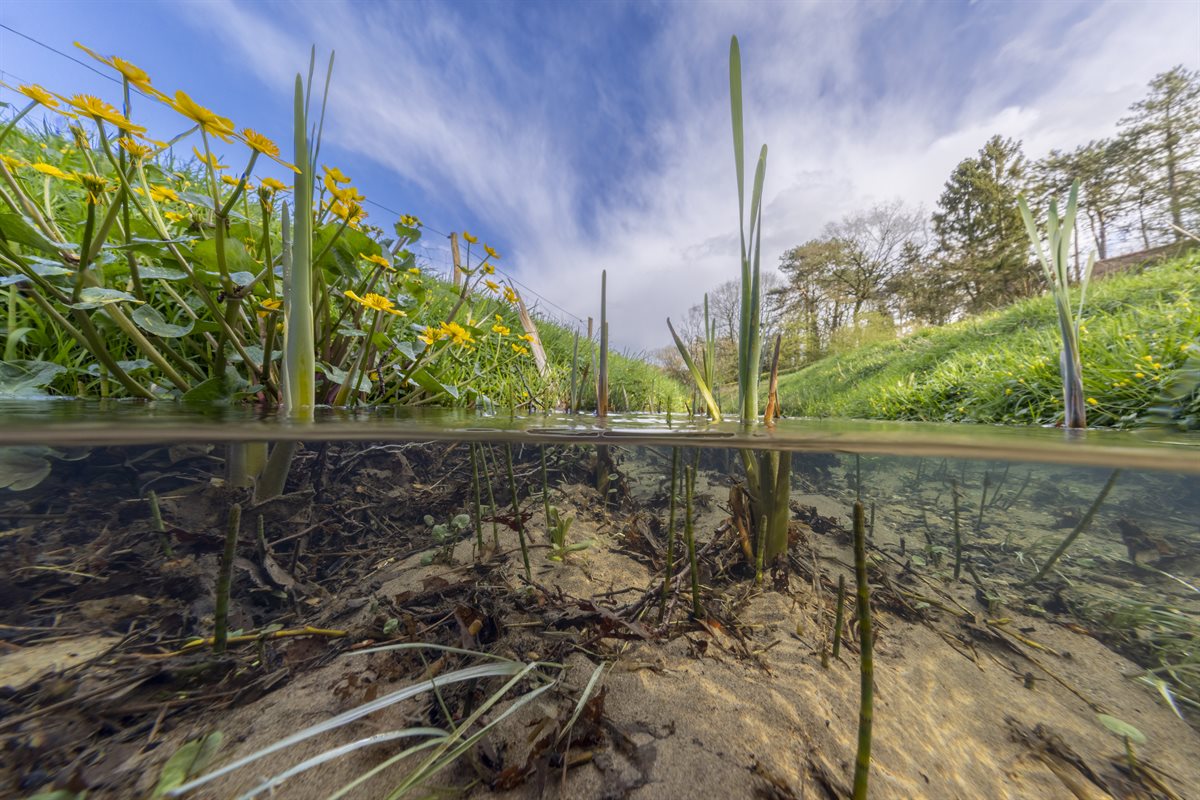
column 156, row 515
column 689, row 480
column 545, row 488
column 838, row 614
column 224, row 577
column 866, row 712
column 987, row 479
column 957, row 530
column 1079, row 528
column 512, row 487
column 669, row 568
column 478, row 500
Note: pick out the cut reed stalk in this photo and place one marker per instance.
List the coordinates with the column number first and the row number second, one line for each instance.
column 957, row 530
column 602, row 370
column 689, row 480
column 224, row 578
column 478, row 499
column 1079, row 528
column 866, row 712
column 156, row 515
column 545, row 489
column 669, row 568
column 987, row 478
column 838, row 613
column 516, row 506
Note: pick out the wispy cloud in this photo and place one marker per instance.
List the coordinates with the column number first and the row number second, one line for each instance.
column 598, row 136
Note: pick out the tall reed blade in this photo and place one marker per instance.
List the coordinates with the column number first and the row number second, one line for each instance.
column 299, row 359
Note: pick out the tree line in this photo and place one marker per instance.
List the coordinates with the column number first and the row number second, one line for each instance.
column 889, row 268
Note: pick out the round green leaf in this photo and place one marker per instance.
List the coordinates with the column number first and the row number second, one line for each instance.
column 155, row 272
column 96, row 296
column 150, row 320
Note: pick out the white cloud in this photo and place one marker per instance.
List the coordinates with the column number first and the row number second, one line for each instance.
column 468, row 117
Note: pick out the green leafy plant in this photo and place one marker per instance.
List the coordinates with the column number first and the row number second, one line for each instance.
column 559, row 528
column 445, row 536
column 1054, row 265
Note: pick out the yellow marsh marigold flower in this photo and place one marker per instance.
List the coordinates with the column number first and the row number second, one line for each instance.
column 174, row 216
column 161, row 193
column 488, row 269
column 430, row 335
column 39, row 95
column 509, row 294
column 346, row 194
column 457, row 333
column 409, row 221
column 352, row 214
column 263, row 145
column 501, row 329
column 209, row 121
column 13, row 163
column 374, row 259
column 270, row 305
column 470, row 239
column 491, row 285
column 375, row 302
column 274, row 185
column 229, row 179
column 519, row 349
column 209, row 160
column 1091, row 401
column 134, row 147
column 414, row 270
column 1139, row 374
column 98, row 110
column 487, row 248
column 132, row 73
column 51, row 170
column 334, row 175
column 527, row 337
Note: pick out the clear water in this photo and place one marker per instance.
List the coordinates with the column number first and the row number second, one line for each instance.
column 985, row 684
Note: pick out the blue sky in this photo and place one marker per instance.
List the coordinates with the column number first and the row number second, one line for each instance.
column 577, row 137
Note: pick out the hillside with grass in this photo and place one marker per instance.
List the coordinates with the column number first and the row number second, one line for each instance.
column 1140, row 343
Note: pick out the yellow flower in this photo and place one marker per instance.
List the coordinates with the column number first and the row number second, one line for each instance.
column 229, row 179
column 470, row 239
column 487, row 248
column 209, row 121
column 271, row 304
column 1139, row 375
column 211, row 161
column 519, row 349
column 344, row 194
column 1008, row 391
column 51, row 170
column 527, row 337
column 134, row 147
column 1157, row 365
column 488, row 269
column 376, row 302
column 500, row 329
column 39, row 95
column 174, row 216
column 352, row 214
column 274, row 185
column 457, row 333
column 1091, row 401
column 430, row 335
column 97, row 109
column 414, row 270
column 262, row 144
column 1147, row 358
column 492, row 285
column 509, row 294
column 131, row 72
column 13, row 163
column 334, row 174
column 374, row 259
column 161, row 193
column 409, row 221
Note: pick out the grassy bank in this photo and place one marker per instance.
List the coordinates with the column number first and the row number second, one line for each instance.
column 1140, row 336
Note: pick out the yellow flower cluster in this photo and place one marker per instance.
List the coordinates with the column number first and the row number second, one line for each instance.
column 375, row 302
column 456, row 333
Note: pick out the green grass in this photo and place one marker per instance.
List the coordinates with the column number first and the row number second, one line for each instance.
column 1140, row 333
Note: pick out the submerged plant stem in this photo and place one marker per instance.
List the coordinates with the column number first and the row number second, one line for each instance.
column 669, row 568
column 866, row 713
column 221, row 632
column 957, row 531
column 837, row 616
column 689, row 481
column 516, row 505
column 1079, row 528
